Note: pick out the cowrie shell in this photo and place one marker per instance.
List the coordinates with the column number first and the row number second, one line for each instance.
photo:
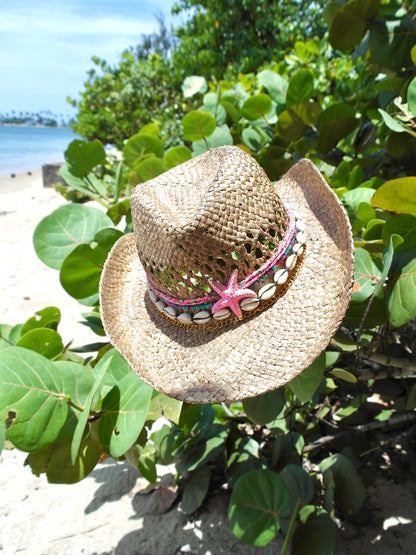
column 160, row 305
column 202, row 317
column 301, row 237
column 152, row 296
column 267, row 291
column 185, row 318
column 280, row 276
column 170, row 311
column 300, row 225
column 298, row 249
column 222, row 314
column 249, row 303
column 291, row 261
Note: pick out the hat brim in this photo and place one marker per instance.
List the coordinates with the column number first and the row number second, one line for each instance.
column 252, row 356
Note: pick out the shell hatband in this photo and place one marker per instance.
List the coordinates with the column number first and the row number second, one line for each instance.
column 237, row 298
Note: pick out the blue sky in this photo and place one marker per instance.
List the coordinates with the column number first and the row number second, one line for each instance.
column 46, row 46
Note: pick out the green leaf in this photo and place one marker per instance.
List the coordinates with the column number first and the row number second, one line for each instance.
column 401, row 297
column 149, row 169
column 275, row 84
column 177, row 155
column 77, row 183
column 220, row 137
column 366, row 276
column 198, row 125
column 5, row 340
column 83, row 156
column 162, row 405
column 411, row 400
column 316, row 536
column 150, row 129
column 44, row 341
column 305, row 385
column 77, row 383
column 204, row 449
column 147, row 461
column 118, row 210
column 67, row 227
column 264, row 408
column 349, row 488
column 300, row 88
column 334, row 124
column 392, row 123
column 343, row 375
column 141, row 144
column 257, row 106
column 46, row 318
column 259, row 499
column 355, row 198
column 124, row 411
column 403, row 225
column 299, row 483
column 55, row 460
column 290, row 126
column 195, row 490
column 252, row 139
column 81, row 271
column 391, row 41
column 31, row 387
column 194, row 84
column 98, row 375
column 397, row 195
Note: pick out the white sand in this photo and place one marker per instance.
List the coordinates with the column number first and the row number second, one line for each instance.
column 105, row 513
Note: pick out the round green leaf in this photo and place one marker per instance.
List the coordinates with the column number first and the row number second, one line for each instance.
column 355, row 198
column 259, row 499
column 335, row 123
column 343, row 375
column 264, row 408
column 299, row 483
column 366, row 276
column 347, row 30
column 44, row 341
column 256, row 107
column 141, row 144
column 81, row 271
column 305, row 385
column 290, row 126
column 67, row 227
column 194, row 84
column 177, row 155
column 316, row 536
column 32, row 388
column 150, row 129
column 55, row 460
column 403, row 225
column 46, row 318
column 397, row 195
column 300, row 88
column 83, row 156
column 5, row 341
column 252, row 139
column 220, row 137
column 349, row 488
column 275, row 84
column 148, row 169
column 391, row 41
column 197, row 125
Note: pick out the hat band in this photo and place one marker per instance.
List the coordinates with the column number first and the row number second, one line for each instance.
column 238, row 298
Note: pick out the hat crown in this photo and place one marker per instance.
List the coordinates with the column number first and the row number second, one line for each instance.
column 205, row 218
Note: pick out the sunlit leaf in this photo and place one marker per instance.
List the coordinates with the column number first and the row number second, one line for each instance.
column 141, row 144
column 177, row 155
column 30, row 385
column 83, row 156
column 44, row 341
column 194, row 84
column 198, row 125
column 397, row 195
column 259, row 499
column 257, row 106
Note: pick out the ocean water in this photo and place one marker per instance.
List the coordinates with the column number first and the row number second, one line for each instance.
column 28, row 148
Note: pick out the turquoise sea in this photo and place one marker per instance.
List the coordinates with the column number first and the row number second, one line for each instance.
column 28, row 148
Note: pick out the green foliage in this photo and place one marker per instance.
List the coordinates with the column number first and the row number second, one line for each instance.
column 353, row 115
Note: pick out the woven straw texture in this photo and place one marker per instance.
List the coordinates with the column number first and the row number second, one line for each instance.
column 253, row 356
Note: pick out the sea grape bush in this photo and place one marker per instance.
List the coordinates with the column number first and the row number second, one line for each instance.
column 289, row 456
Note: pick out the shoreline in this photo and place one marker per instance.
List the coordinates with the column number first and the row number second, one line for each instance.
column 19, row 181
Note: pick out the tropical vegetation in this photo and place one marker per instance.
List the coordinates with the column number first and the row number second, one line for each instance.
column 294, row 459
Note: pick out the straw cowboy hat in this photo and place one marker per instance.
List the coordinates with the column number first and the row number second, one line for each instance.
column 230, row 285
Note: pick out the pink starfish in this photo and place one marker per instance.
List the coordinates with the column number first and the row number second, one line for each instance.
column 231, row 294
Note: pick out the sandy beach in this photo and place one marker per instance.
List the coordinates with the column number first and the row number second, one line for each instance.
column 107, row 512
